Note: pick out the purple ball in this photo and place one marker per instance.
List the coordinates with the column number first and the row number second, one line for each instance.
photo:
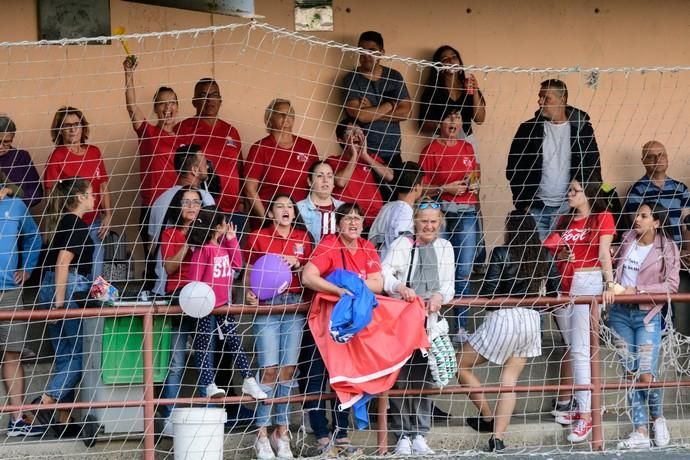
column 269, row 277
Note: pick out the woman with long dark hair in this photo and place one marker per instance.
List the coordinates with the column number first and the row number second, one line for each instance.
column 451, row 89
column 581, row 245
column 647, row 261
column 508, row 336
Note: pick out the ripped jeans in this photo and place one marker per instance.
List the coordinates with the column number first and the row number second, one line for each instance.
column 638, row 346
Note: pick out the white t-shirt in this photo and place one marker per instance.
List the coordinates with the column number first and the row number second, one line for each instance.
column 632, row 263
column 394, row 219
column 555, row 175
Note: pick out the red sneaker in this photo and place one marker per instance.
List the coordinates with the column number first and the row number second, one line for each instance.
column 580, row 431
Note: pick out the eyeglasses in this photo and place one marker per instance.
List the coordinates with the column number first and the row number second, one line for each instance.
column 353, row 219
column 189, row 203
column 429, row 204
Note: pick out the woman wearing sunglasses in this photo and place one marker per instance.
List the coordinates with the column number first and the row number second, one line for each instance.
column 421, row 265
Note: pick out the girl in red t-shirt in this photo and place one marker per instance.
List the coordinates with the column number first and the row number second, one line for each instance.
column 73, row 157
column 278, row 335
column 582, row 248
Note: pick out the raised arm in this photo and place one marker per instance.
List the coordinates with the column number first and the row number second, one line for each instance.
column 135, row 113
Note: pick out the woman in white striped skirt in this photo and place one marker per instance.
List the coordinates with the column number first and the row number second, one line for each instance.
column 508, row 336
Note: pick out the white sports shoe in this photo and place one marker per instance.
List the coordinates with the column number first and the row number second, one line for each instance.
column 420, row 447
column 661, row 435
column 404, row 446
column 212, row 391
column 281, row 444
column 251, row 387
column 262, row 446
column 636, row 440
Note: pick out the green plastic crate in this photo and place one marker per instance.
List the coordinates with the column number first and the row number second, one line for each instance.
column 122, row 360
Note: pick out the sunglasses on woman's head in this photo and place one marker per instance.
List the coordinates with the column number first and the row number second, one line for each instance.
column 429, row 204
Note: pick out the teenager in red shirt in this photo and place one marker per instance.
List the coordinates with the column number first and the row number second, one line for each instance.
column 73, row 157
column 357, row 171
column 279, row 163
column 582, row 247
column 452, row 173
column 278, row 335
column 221, row 144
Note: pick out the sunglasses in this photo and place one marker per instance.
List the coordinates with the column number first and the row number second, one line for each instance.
column 429, row 204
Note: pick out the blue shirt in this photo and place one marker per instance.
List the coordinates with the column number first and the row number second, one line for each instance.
column 674, row 196
column 16, row 222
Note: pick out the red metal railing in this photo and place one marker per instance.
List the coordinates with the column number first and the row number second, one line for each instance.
column 147, row 311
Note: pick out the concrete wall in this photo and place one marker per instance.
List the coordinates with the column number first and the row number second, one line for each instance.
column 626, row 108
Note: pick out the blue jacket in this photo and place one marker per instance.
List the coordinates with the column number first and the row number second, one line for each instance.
column 351, row 313
column 16, row 222
column 311, row 216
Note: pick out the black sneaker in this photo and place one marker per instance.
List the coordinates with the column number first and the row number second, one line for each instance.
column 480, row 425
column 496, row 445
column 559, row 408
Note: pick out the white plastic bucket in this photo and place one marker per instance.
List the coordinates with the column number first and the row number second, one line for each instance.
column 198, row 433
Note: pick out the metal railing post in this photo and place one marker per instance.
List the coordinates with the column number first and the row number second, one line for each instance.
column 149, row 442
column 597, row 428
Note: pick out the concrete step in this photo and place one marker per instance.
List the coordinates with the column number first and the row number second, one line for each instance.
column 448, row 441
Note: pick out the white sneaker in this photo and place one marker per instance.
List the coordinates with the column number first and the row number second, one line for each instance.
column 661, row 435
column 212, row 391
column 251, row 387
column 281, row 444
column 404, row 446
column 262, row 446
column 636, row 440
column 420, row 447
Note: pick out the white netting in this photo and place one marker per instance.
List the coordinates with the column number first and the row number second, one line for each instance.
column 253, row 64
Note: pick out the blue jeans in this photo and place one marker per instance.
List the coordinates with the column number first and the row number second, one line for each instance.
column 65, row 336
column 546, row 218
column 462, row 231
column 278, row 339
column 313, row 366
column 178, row 361
column 97, row 268
column 638, row 346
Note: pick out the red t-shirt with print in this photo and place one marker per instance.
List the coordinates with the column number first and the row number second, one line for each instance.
column 362, row 187
column 268, row 241
column 331, row 254
column 222, row 146
column 443, row 164
column 281, row 171
column 64, row 164
column 156, row 161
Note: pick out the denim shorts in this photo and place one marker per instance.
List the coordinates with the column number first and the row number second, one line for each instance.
column 279, row 335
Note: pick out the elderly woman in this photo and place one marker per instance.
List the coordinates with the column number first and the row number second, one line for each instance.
column 73, row 157
column 422, row 265
column 278, row 163
column 347, row 250
column 17, row 166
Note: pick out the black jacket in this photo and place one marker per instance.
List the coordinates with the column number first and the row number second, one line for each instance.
column 524, row 167
column 501, row 278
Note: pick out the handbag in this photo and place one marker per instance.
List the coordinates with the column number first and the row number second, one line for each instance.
column 442, row 362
